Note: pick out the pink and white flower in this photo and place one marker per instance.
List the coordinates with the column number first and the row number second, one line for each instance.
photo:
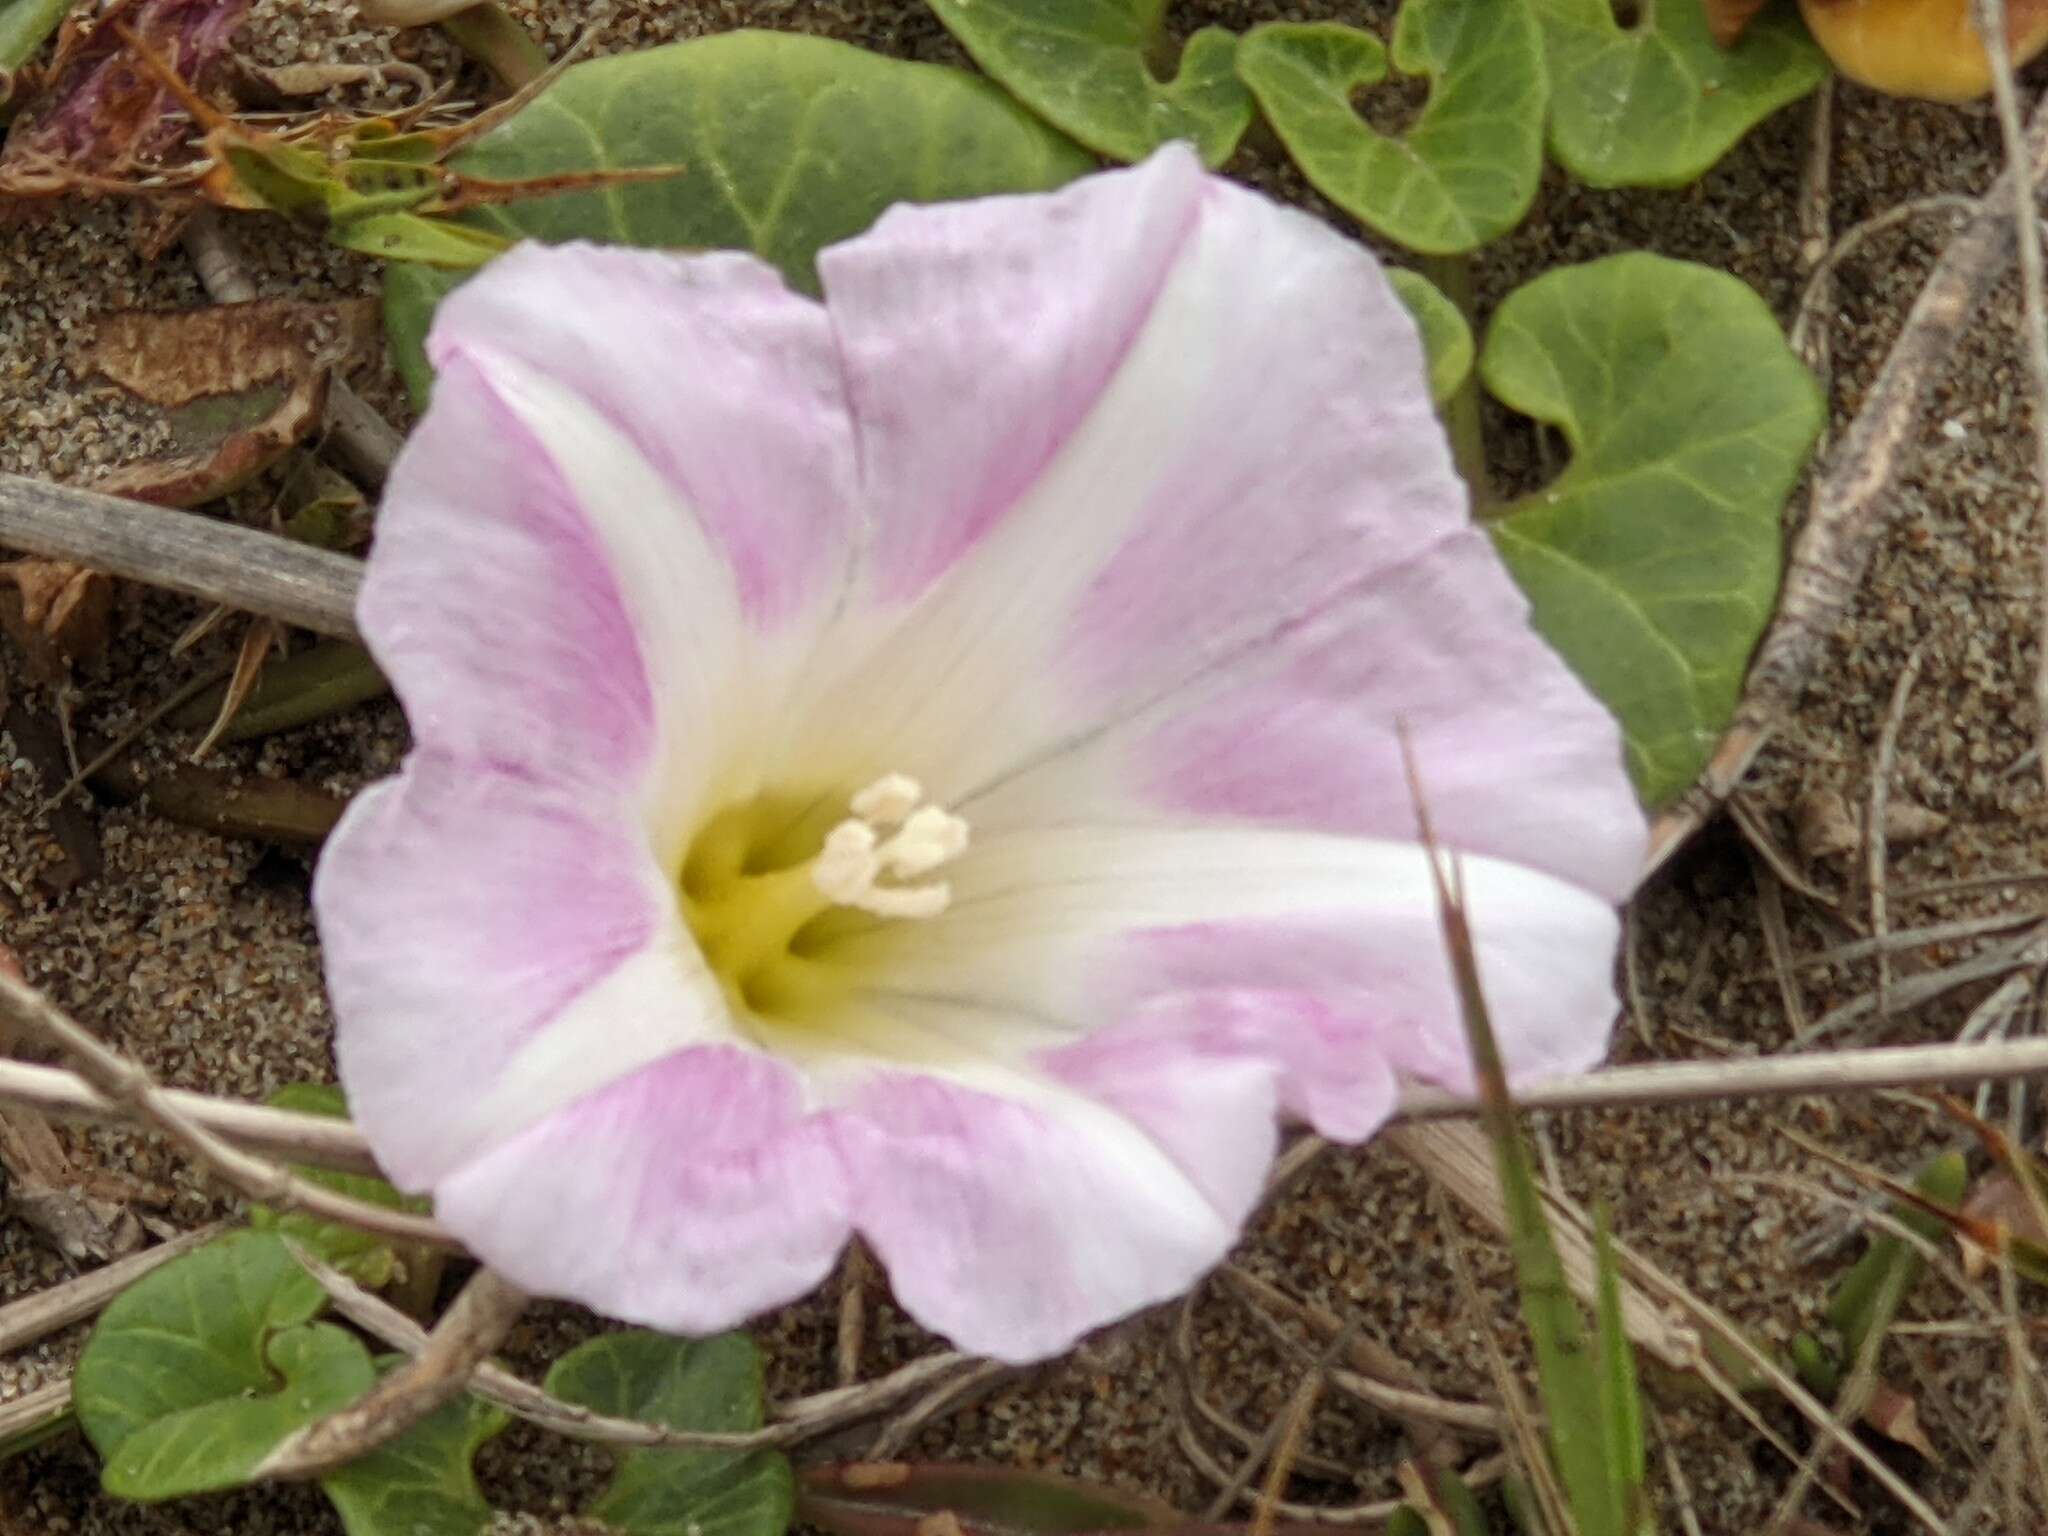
column 924, row 764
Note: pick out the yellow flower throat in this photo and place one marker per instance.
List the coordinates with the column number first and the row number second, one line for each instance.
column 769, row 888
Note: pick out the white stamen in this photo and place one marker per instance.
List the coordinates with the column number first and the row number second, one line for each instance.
column 849, row 868
column 888, row 800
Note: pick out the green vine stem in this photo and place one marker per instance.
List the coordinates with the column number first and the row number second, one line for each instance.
column 1453, row 275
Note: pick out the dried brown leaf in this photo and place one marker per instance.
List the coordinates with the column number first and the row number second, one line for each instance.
column 1828, row 826
column 1896, row 1416
column 2000, row 1202
column 173, row 357
column 57, row 612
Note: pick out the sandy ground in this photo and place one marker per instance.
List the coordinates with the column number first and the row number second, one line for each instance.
column 196, row 953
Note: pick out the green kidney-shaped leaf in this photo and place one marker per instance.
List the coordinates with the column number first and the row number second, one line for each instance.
column 701, row 1384
column 200, row 1368
column 1467, row 170
column 787, row 144
column 423, row 1483
column 1446, row 338
column 1085, row 66
column 1652, row 561
column 1656, row 103
column 363, row 1256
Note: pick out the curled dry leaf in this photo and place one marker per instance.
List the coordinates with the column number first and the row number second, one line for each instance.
column 57, row 612
column 2000, row 1204
column 101, row 114
column 1896, row 1416
column 1829, row 826
column 240, row 383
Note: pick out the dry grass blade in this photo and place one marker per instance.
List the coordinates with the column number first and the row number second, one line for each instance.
column 127, row 1083
column 793, row 1423
column 1876, row 861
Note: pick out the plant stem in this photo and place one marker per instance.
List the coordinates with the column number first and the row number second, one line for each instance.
column 1453, row 275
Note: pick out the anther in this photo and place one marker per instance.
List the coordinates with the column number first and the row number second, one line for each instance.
column 849, row 869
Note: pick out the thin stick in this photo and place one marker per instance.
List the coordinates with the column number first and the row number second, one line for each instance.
column 35, row 1409
column 34, row 1317
column 128, row 1083
column 201, row 556
column 471, row 1329
column 1990, row 19
column 338, row 1144
column 1874, row 851
column 804, row 1419
column 1833, row 550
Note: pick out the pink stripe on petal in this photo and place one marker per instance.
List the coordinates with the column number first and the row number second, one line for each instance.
column 1013, row 1226
column 725, row 381
column 1515, row 758
column 977, row 335
column 687, row 1197
column 493, row 607
column 460, row 912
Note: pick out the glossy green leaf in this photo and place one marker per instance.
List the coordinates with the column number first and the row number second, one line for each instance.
column 200, row 1368
column 898, row 1498
column 1658, row 102
column 423, row 1483
column 1652, row 562
column 702, row 1384
column 1446, row 338
column 1088, row 67
column 363, row 1256
column 788, row 144
column 1467, row 169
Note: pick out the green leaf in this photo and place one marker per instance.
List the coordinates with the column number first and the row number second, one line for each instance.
column 788, row 144
column 363, row 1256
column 1468, row 168
column 25, row 25
column 1621, row 1402
column 1870, row 1295
column 1446, row 338
column 1086, row 66
column 200, row 1368
column 422, row 1483
column 324, row 679
column 698, row 1384
column 1656, row 103
column 1652, row 561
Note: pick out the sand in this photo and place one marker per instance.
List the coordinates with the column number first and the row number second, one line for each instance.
column 196, row 953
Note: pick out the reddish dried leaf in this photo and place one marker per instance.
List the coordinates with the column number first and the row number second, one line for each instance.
column 194, row 478
column 1726, row 19
column 101, row 112
column 2000, row 1204
column 173, row 357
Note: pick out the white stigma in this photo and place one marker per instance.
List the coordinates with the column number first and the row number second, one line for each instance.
column 856, row 856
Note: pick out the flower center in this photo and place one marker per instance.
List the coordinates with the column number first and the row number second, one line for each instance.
column 766, row 889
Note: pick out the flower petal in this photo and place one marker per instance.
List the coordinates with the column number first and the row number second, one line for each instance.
column 1019, row 1212
column 1110, row 438
column 688, row 1196
column 1516, row 760
column 1089, row 924
column 635, row 471
column 493, row 950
